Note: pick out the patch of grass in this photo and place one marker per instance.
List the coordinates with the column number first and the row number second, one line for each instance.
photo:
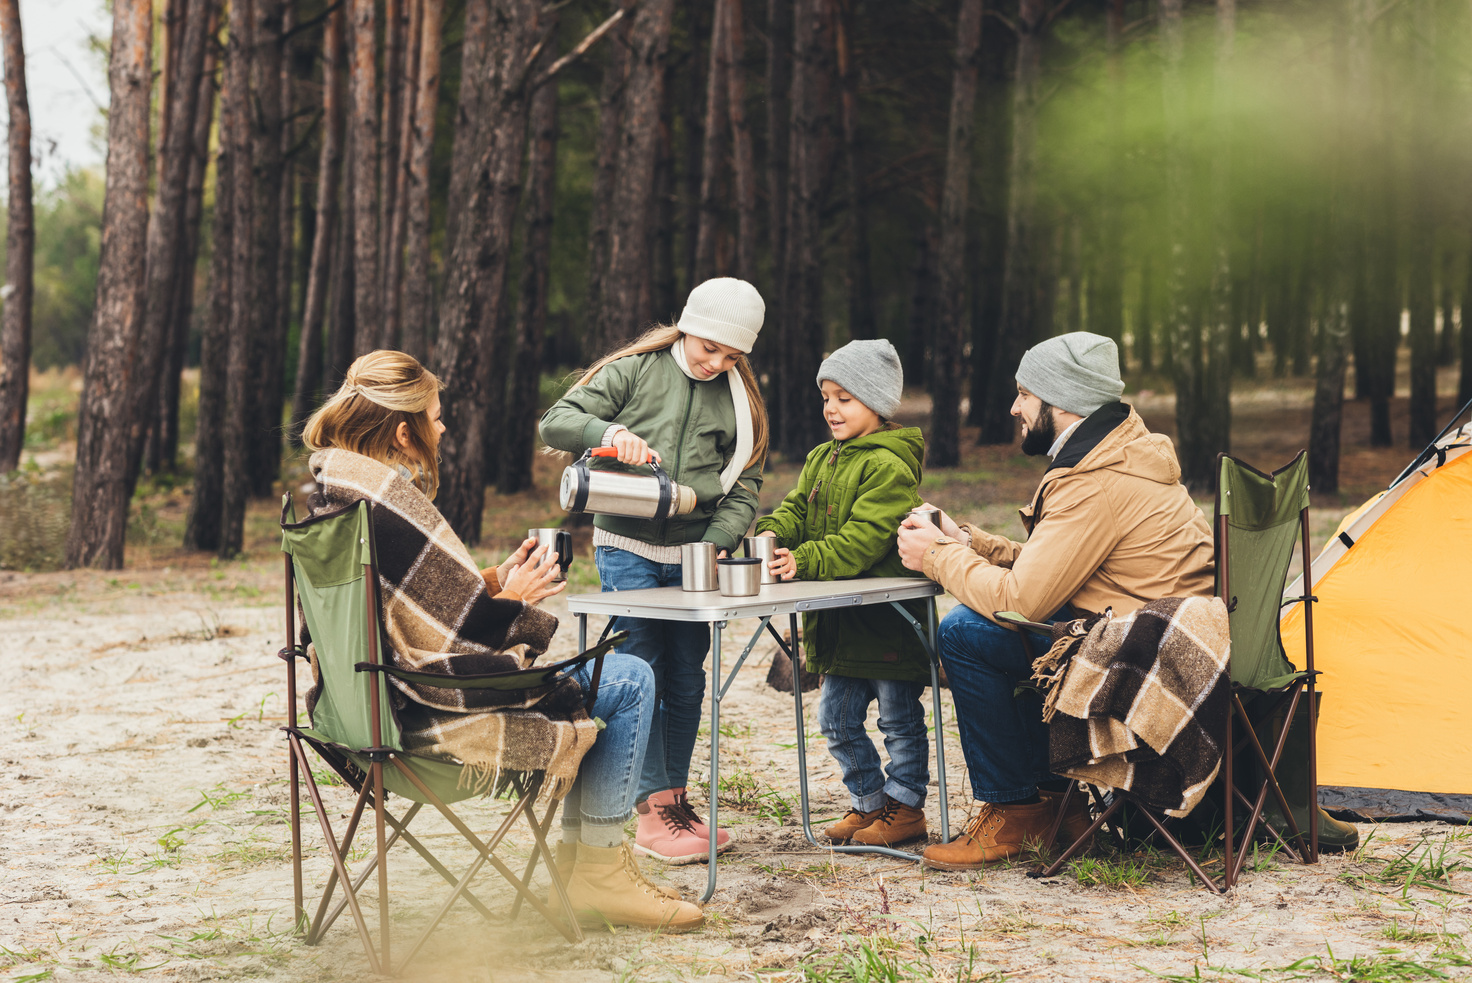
column 745, row 792
column 218, row 797
column 126, row 962
column 21, row 955
column 1113, row 872
column 1427, row 864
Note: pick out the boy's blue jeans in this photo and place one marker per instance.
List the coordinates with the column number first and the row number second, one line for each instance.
column 676, row 653
column 1003, row 736
column 603, row 794
column 841, row 716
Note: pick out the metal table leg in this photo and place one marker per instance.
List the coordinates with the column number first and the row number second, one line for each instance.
column 715, row 756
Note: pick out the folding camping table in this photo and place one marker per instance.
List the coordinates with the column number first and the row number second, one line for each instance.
column 773, row 600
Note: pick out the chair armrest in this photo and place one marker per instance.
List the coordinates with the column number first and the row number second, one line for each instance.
column 1018, row 621
column 511, row 681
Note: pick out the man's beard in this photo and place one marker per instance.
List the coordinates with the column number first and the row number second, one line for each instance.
column 1040, row 433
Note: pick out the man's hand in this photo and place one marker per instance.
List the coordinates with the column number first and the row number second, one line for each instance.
column 914, row 539
column 632, row 449
column 784, row 564
column 948, row 526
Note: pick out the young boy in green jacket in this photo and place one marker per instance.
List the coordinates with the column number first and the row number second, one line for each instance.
column 839, row 523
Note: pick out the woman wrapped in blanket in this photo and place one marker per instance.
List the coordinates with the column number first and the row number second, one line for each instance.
column 377, row 438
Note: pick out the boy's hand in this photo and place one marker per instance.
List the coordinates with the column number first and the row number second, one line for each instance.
column 784, row 564
column 769, row 534
column 632, row 449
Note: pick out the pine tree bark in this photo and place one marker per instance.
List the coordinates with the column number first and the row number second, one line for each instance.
column 743, row 166
column 663, row 275
column 627, row 289
column 467, row 353
column 309, row 381
column 1019, row 297
column 418, row 303
column 610, row 119
column 858, row 274
column 202, row 527
column 713, row 153
column 401, row 18
column 18, row 295
column 1216, row 378
column 944, row 446
column 362, row 119
column 111, row 375
column 518, row 450
column 286, row 216
column 779, row 135
column 268, row 340
column 810, row 143
column 1108, row 318
column 342, row 328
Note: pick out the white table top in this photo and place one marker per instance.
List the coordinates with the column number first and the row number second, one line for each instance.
column 796, row 596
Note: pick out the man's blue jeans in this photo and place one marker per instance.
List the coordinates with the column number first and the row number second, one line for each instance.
column 676, row 653
column 603, row 794
column 1003, row 736
column 841, row 716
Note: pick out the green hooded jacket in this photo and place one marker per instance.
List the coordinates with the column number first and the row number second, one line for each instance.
column 840, row 523
column 691, row 424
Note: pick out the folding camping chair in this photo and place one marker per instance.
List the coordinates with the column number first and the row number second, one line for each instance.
column 330, row 567
column 1258, row 517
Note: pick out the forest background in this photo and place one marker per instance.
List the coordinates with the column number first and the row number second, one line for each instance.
column 507, row 188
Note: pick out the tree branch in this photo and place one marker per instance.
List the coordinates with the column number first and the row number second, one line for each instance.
column 577, row 52
column 307, row 25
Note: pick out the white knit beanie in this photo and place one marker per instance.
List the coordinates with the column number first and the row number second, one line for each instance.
column 726, row 311
column 1077, row 372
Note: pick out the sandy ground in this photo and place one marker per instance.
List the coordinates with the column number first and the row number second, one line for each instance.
column 144, row 808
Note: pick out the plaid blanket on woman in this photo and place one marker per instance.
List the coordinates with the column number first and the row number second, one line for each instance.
column 1143, row 702
column 438, row 617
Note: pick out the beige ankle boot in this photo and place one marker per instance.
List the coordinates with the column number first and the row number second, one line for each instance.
column 606, row 887
column 567, row 855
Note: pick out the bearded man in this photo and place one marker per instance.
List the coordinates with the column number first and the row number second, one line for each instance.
column 1110, row 526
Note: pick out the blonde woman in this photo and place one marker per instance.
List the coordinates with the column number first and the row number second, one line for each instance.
column 377, row 438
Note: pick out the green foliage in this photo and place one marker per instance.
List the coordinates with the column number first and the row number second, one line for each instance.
column 35, row 512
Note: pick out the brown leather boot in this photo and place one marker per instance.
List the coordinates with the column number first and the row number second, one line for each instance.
column 567, row 855
column 1076, row 821
column 606, row 887
column 997, row 832
column 897, row 823
column 853, row 821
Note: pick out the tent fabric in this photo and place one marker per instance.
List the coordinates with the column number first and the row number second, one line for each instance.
column 1384, row 805
column 1393, row 634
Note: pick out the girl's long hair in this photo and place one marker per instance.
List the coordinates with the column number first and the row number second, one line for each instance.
column 381, row 390
column 666, row 336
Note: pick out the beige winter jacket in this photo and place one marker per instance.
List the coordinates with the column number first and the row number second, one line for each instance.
column 1116, row 529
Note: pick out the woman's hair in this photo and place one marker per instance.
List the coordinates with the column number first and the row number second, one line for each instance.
column 381, row 390
column 663, row 336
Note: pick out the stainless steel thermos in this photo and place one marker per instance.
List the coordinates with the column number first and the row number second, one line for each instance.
column 645, row 496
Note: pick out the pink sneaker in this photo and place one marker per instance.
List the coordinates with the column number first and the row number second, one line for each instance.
column 666, row 833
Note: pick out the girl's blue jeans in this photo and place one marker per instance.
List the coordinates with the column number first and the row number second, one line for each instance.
column 603, row 794
column 675, row 651
column 841, row 716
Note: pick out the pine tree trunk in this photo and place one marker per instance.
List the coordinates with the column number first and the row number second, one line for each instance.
column 418, row 311
column 468, row 353
column 165, row 455
column 1108, row 318
column 286, row 256
column 600, row 231
column 398, row 122
column 743, row 165
column 518, row 450
column 110, row 377
column 342, row 327
column 662, row 304
column 20, row 249
column 693, row 104
column 166, row 229
column 713, row 154
column 309, row 381
column 268, row 341
column 1018, row 279
column 627, row 289
column 779, row 135
column 944, row 445
column 858, row 275
column 362, row 106
column 801, row 326
column 203, row 526
column 1216, row 381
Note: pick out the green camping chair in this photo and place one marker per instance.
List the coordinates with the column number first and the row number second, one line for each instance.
column 1258, row 518
column 331, row 570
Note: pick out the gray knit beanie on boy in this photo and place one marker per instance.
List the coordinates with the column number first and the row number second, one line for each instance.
column 870, row 371
column 1077, row 372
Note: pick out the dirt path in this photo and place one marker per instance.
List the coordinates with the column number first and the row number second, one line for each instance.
column 143, row 803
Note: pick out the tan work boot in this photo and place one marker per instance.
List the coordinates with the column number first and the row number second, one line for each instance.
column 606, row 887
column 852, row 821
column 1076, row 821
column 567, row 854
column 997, row 832
column 896, row 823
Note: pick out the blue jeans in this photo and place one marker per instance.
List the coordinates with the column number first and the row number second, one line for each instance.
column 603, row 794
column 841, row 716
column 1003, row 736
column 676, row 652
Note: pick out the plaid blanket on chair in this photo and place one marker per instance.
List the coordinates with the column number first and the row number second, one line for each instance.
column 1142, row 702
column 438, row 617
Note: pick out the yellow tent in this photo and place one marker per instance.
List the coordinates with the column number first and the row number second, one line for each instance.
column 1393, row 633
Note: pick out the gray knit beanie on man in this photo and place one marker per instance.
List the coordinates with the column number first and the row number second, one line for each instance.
column 870, row 372
column 1077, row 372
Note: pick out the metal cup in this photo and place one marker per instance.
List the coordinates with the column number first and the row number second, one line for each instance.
column 559, row 546
column 763, row 548
column 927, row 515
column 739, row 576
column 698, row 566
